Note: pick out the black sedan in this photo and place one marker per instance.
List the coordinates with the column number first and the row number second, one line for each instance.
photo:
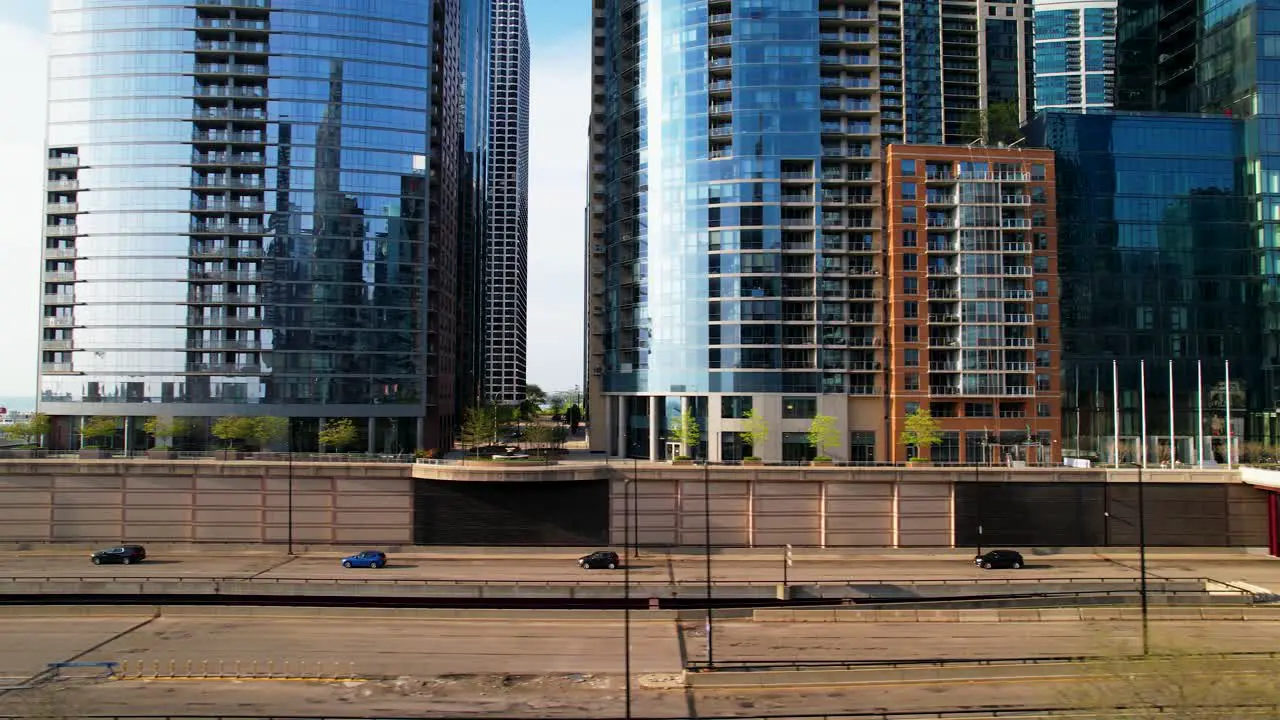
column 999, row 559
column 123, row 554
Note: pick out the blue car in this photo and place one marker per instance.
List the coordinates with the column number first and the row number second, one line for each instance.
column 369, row 558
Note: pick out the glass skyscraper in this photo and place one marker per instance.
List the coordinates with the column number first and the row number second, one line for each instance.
column 252, row 209
column 1075, row 53
column 1156, row 264
column 736, row 227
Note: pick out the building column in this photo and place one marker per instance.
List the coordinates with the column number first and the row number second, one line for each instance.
column 127, row 444
column 421, row 434
column 684, row 412
column 620, row 431
column 655, row 437
column 373, row 437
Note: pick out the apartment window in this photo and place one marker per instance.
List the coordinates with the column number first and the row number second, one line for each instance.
column 911, row 333
column 736, row 406
column 911, row 358
column 908, row 167
column 799, row 408
column 911, row 309
column 862, row 446
column 910, row 262
column 1042, row 335
column 1040, row 264
column 910, row 286
column 1042, row 358
column 985, row 410
column 911, row 381
column 1042, row 311
column 1042, row 241
column 908, row 238
column 1037, row 171
column 1042, row 410
column 911, row 408
column 1042, row 288
column 908, row 191
column 1042, row 383
column 909, row 215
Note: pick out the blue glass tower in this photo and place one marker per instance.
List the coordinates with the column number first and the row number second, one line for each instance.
column 736, row 244
column 251, row 210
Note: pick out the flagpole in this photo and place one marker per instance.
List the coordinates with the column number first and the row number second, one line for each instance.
column 1115, row 411
column 1173, row 445
column 1200, row 414
column 1228, row 383
column 1142, row 389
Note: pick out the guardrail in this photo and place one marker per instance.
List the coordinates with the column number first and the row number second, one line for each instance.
column 996, row 582
column 777, row 665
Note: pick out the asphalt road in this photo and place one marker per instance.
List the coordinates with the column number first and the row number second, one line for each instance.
column 1261, row 571
column 518, row 667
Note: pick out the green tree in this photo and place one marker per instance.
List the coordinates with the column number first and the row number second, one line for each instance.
column 99, row 430
column 167, row 428
column 479, row 425
column 233, row 429
column 265, row 430
column 823, row 433
column 339, row 434
column 540, row 435
column 534, row 394
column 755, row 432
column 39, row 426
column 17, row 431
column 999, row 122
column 921, row 429
column 684, row 429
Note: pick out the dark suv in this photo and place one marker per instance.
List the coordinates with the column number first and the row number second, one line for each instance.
column 123, row 554
column 602, row 559
column 999, row 559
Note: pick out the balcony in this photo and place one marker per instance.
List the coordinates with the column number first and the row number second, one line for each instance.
column 1015, row 222
column 227, row 136
column 63, row 185
column 941, row 222
column 944, row 390
column 235, row 3
column 223, row 344
column 945, row 247
column 1017, row 295
column 231, row 46
column 231, row 228
column 229, row 275
column 226, row 252
column 59, row 276
column 249, row 91
column 1015, row 199
column 58, row 367
column 943, row 270
column 223, row 321
column 224, row 299
column 228, row 24
column 62, row 208
column 1017, row 270
column 246, row 182
column 716, row 40
column 59, row 344
column 60, row 299
column 942, row 294
column 797, row 198
column 864, row 390
column 944, row 318
column 229, row 69
column 944, row 342
column 61, row 230
column 228, row 114
column 1019, row 319
column 63, row 161
column 224, row 368
column 949, row 367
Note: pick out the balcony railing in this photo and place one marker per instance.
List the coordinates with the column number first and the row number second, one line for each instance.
column 59, row 367
column 61, row 230
column 63, row 161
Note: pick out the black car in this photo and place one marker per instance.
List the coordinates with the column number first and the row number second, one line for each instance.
column 124, row 554
column 999, row 559
column 602, row 559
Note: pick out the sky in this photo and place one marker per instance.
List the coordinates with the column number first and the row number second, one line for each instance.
column 560, row 34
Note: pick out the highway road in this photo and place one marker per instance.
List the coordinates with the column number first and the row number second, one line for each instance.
column 522, row 667
column 1260, row 571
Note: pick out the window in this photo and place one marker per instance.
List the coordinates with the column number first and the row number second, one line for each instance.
column 911, row 408
column 796, row 447
column 911, row 333
column 908, row 167
column 1037, row 171
column 911, row 381
column 1042, row 383
column 1042, row 241
column 909, row 214
column 799, row 408
column 1042, row 336
column 911, row 358
column 733, row 447
column 910, row 262
column 908, row 238
column 1042, row 358
column 979, row 410
column 735, row 406
column 1042, row 288
column 1042, row 311
column 862, row 446
column 908, row 191
column 1042, row 410
column 910, row 286
column 1040, row 264
column 911, row 309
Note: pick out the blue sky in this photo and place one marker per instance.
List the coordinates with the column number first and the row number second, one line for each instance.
column 560, row 33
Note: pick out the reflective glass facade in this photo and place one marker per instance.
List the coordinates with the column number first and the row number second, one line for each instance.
column 1157, row 264
column 1222, row 59
column 736, row 245
column 242, row 216
column 1075, row 46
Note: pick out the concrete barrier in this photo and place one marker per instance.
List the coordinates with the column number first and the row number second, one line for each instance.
column 1058, row 614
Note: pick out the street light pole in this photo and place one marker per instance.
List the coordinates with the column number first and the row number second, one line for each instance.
column 289, row 443
column 1142, row 564
column 706, row 519
column 626, row 592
